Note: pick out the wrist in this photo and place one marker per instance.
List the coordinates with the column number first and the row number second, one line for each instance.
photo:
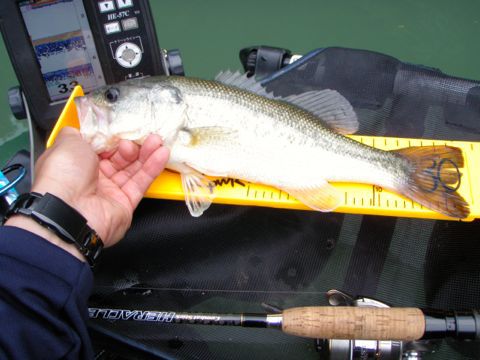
column 29, row 224
column 59, row 190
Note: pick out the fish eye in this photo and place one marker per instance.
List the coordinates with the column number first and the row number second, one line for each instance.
column 112, row 95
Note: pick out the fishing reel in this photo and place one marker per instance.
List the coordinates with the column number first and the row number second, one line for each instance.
column 336, row 349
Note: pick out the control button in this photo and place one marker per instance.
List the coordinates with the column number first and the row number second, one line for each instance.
column 112, row 28
column 106, row 6
column 128, row 55
column 134, row 75
column 130, row 24
column 122, row 4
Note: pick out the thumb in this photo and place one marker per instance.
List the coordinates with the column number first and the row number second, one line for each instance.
column 67, row 133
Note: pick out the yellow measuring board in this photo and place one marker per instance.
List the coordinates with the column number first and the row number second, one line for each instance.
column 357, row 199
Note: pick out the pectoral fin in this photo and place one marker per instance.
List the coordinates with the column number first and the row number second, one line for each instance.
column 209, row 135
column 322, row 197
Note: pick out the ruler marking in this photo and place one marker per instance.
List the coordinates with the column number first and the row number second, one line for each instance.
column 354, row 200
column 388, row 203
column 373, row 194
column 397, row 143
column 362, row 201
column 346, row 198
column 263, row 195
column 396, row 203
column 256, row 191
column 248, row 190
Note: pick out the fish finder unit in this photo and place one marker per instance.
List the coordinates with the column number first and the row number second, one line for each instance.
column 56, row 44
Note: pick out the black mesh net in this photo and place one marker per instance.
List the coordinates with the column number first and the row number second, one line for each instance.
column 234, row 258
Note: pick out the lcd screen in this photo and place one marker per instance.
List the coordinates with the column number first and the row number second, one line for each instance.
column 63, row 44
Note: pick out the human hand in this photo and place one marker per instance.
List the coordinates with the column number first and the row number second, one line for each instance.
column 105, row 189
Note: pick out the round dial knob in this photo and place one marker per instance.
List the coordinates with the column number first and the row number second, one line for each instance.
column 128, row 55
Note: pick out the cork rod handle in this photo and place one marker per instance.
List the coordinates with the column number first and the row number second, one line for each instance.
column 362, row 323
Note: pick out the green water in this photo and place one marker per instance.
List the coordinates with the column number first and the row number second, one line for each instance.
column 209, row 33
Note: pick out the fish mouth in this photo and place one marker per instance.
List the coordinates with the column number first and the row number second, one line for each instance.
column 81, row 103
column 94, row 123
column 87, row 110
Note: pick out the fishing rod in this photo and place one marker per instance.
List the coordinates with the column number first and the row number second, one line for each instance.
column 352, row 328
column 326, row 322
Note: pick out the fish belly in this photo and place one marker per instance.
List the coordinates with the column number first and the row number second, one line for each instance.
column 284, row 166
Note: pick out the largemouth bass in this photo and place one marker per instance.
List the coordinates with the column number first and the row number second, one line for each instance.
column 233, row 128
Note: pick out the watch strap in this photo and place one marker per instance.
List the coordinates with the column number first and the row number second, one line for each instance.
column 66, row 222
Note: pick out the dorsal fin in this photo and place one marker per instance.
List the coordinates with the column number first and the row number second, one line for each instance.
column 241, row 81
column 328, row 105
column 331, row 107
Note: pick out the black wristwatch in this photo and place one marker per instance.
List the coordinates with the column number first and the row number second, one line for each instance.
column 56, row 215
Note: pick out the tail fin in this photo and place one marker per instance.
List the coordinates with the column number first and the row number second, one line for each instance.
column 433, row 178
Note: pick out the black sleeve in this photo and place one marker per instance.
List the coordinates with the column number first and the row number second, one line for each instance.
column 43, row 299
